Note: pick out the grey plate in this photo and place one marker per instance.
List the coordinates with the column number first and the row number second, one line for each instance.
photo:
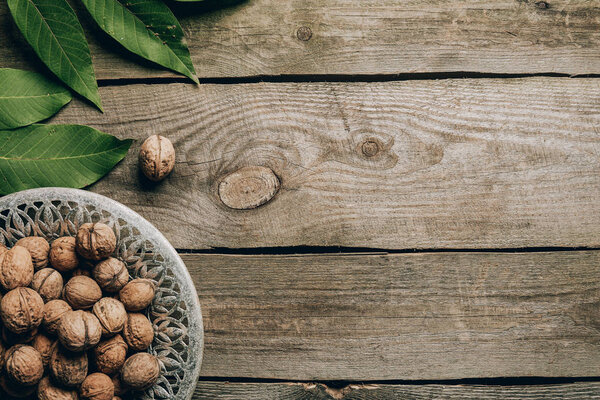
column 175, row 311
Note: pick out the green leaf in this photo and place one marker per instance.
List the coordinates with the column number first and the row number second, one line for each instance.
column 147, row 28
column 27, row 97
column 56, row 155
column 53, row 30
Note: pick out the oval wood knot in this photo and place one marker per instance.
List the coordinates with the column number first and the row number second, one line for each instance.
column 248, row 187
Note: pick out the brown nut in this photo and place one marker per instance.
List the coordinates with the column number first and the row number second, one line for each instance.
column 111, row 314
column 111, row 274
column 79, row 330
column 44, row 345
column 63, row 256
column 48, row 283
column 82, row 292
column 53, row 311
column 22, row 310
column 38, row 247
column 23, row 365
column 47, row 391
column 140, row 371
column 15, row 391
column 110, row 355
column 68, row 368
column 97, row 386
column 120, row 389
column 138, row 332
column 11, row 338
column 95, row 241
column 16, row 268
column 157, row 157
column 137, row 294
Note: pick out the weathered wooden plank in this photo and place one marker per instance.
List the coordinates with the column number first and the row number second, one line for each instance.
column 300, row 391
column 404, row 316
column 271, row 37
column 483, row 163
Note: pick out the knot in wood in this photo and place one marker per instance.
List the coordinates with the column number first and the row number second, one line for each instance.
column 248, row 187
column 370, row 148
column 542, row 5
column 304, row 33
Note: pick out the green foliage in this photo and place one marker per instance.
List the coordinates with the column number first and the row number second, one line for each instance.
column 27, row 97
column 53, row 30
column 56, row 155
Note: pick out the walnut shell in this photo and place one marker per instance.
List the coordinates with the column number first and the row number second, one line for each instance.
column 15, row 391
column 157, row 157
column 111, row 274
column 44, row 345
column 48, row 283
column 95, row 241
column 79, row 330
column 47, row 391
column 38, row 247
column 53, row 311
column 110, row 355
column 68, row 368
column 140, row 371
column 97, row 386
column 120, row 388
column 111, row 314
column 16, row 268
column 23, row 365
column 63, row 256
column 138, row 332
column 82, row 292
column 137, row 294
column 11, row 338
column 22, row 310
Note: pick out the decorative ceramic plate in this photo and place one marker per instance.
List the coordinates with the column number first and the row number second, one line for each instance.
column 175, row 311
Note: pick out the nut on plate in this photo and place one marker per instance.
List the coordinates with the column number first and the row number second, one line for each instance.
column 63, row 256
column 82, row 292
column 22, row 310
column 47, row 391
column 68, row 368
column 95, row 241
column 157, row 157
column 16, row 268
column 111, row 314
column 140, row 371
column 38, row 248
column 111, row 274
column 97, row 386
column 48, row 282
column 79, row 330
column 23, row 365
column 110, row 355
column 53, row 311
column 137, row 294
column 138, row 332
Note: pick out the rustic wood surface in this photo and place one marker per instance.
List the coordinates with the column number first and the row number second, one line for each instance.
column 303, row 37
column 313, row 391
column 399, row 316
column 457, row 163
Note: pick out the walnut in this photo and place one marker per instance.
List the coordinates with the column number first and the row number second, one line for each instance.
column 23, row 364
column 111, row 314
column 15, row 391
column 120, row 389
column 111, row 274
column 11, row 338
column 48, row 283
column 47, row 391
column 138, row 332
column 68, row 368
column 137, row 294
column 140, row 371
column 53, row 310
column 16, row 268
column 63, row 256
column 157, row 157
column 95, row 241
column 110, row 355
column 82, row 292
column 44, row 345
column 81, row 271
column 79, row 330
column 97, row 386
column 38, row 247
column 22, row 309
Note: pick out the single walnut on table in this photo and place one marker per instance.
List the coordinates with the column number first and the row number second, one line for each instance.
column 157, row 157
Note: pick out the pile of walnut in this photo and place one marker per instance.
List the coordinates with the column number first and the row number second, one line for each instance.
column 81, row 340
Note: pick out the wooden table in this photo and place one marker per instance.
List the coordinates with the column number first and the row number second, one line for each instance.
column 431, row 173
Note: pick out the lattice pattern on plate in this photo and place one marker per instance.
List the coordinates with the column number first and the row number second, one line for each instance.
column 175, row 312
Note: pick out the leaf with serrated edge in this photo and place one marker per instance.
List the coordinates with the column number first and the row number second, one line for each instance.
column 56, row 155
column 51, row 27
column 27, row 97
column 147, row 28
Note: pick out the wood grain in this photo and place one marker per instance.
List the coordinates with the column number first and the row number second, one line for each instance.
column 313, row 391
column 426, row 316
column 303, row 37
column 472, row 163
